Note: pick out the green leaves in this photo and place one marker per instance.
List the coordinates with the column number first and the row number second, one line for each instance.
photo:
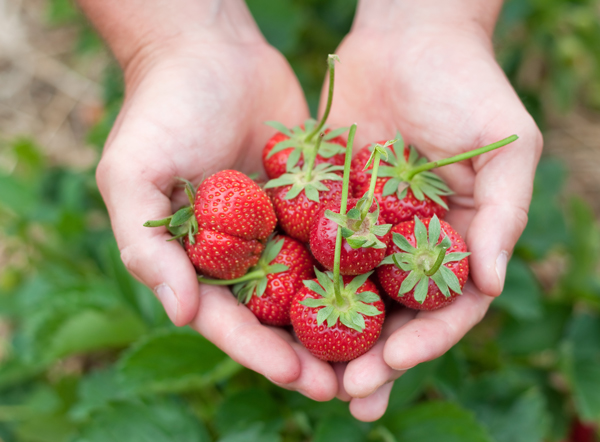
column 436, row 421
column 300, row 181
column 349, row 308
column 425, row 261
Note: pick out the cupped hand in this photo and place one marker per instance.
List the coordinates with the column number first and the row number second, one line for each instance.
column 441, row 87
column 193, row 108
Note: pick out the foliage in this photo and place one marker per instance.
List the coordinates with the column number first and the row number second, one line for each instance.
column 87, row 353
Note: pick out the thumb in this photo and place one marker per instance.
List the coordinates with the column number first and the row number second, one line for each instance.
column 134, row 194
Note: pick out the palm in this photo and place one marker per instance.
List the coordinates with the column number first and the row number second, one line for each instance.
column 191, row 114
column 445, row 93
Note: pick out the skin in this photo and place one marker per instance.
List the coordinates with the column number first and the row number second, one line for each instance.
column 200, row 82
column 432, row 75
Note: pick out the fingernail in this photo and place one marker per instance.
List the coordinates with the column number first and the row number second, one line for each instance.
column 168, row 299
column 501, row 263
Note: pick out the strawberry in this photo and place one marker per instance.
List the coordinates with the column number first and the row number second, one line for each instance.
column 365, row 235
column 225, row 227
column 405, row 186
column 267, row 289
column 289, row 148
column 337, row 327
column 426, row 267
column 362, row 251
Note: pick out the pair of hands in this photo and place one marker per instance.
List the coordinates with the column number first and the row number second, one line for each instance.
column 199, row 107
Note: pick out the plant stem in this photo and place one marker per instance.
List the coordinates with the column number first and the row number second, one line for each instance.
column 438, row 262
column 331, row 64
column 460, row 157
column 343, row 207
column 257, row 274
column 310, row 162
column 367, row 206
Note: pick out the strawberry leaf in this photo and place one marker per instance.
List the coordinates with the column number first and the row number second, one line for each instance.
column 325, row 281
column 277, row 268
column 315, row 287
column 439, row 281
column 324, row 313
column 421, row 289
column 292, row 160
column 455, row 256
column 402, row 243
column 367, row 297
column 358, row 281
column 279, row 127
column 409, row 282
column 368, row 310
column 420, row 233
column 335, row 133
column 434, row 231
column 451, row 279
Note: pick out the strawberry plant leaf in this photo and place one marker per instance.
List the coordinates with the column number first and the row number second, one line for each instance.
column 311, row 193
column 403, row 243
column 324, row 313
column 368, row 310
column 292, row 160
column 367, row 297
column 434, row 231
column 279, row 127
column 357, row 281
column 451, row 279
column 325, row 281
column 314, row 303
column 335, row 133
column 439, row 281
column 277, row 268
column 409, row 282
column 416, row 190
column 420, row 234
column 455, row 256
column 295, row 191
column 315, row 287
column 421, row 289
column 272, row 250
column 261, row 287
column 391, row 186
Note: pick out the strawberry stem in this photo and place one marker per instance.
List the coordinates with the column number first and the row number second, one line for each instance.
column 438, row 262
column 312, row 157
column 331, row 64
column 460, row 157
column 367, row 205
column 257, row 274
column 343, row 206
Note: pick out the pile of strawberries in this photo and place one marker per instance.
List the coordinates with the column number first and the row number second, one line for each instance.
column 311, row 247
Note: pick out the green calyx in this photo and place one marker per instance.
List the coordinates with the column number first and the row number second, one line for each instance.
column 414, row 172
column 255, row 281
column 302, row 139
column 359, row 226
column 307, row 180
column 183, row 222
column 425, row 261
column 348, row 307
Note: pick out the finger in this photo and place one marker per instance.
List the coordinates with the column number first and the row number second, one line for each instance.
column 134, row 193
column 503, row 188
column 234, row 329
column 339, row 368
column 372, row 407
column 365, row 374
column 433, row 333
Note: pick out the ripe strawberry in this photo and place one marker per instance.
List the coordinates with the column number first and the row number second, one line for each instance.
column 225, row 226
column 425, row 196
column 289, row 148
column 369, row 245
column 295, row 146
column 405, row 186
column 297, row 213
column 426, row 267
column 334, row 327
column 267, row 289
column 366, row 236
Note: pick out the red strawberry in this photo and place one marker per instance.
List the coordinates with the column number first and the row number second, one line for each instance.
column 400, row 204
column 297, row 214
column 426, row 267
column 224, row 228
column 338, row 334
column 290, row 148
column 276, row 164
column 285, row 263
column 369, row 247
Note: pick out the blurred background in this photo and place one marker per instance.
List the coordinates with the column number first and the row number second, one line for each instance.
column 87, row 354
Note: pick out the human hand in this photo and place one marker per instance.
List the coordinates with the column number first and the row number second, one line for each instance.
column 434, row 78
column 195, row 104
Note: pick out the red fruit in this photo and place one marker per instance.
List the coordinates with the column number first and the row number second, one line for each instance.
column 419, row 284
column 337, row 342
column 297, row 214
column 353, row 261
column 230, row 202
column 395, row 210
column 275, row 165
column 225, row 226
column 222, row 256
column 285, row 263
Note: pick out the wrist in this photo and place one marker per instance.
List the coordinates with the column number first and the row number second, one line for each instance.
column 477, row 17
column 141, row 31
